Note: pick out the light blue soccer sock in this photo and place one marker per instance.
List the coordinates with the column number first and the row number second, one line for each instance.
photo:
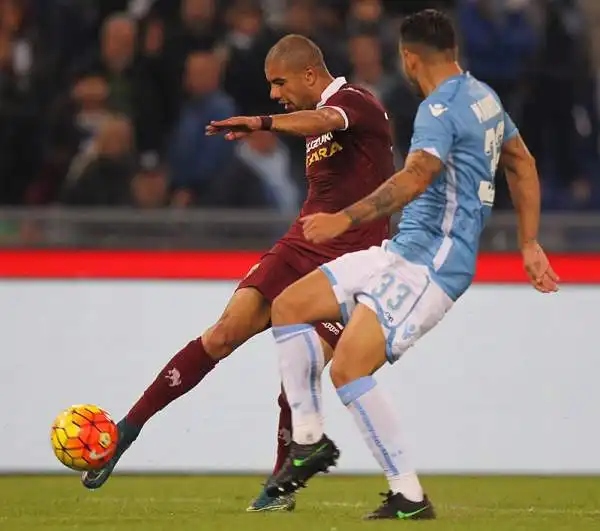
column 377, row 421
column 301, row 363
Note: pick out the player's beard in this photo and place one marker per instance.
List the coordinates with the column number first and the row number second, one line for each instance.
column 414, row 85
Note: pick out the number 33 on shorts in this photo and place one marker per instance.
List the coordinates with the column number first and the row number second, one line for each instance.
column 408, row 304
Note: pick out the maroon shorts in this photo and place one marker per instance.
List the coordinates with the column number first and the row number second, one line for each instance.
column 275, row 272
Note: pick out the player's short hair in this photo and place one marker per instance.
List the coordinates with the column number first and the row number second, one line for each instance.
column 298, row 52
column 430, row 28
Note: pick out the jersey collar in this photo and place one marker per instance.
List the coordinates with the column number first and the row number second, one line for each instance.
column 331, row 89
column 452, row 79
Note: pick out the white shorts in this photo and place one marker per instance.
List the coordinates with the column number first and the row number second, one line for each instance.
column 408, row 303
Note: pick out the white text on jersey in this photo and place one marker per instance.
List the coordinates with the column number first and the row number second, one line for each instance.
column 486, row 108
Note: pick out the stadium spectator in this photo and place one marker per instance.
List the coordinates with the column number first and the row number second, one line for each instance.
column 260, row 177
column 196, row 29
column 400, row 102
column 22, row 79
column 149, row 186
column 116, row 62
column 64, row 65
column 159, row 106
column 244, row 76
column 195, row 158
column 499, row 42
column 561, row 71
column 102, row 175
column 367, row 65
column 74, row 122
column 367, row 16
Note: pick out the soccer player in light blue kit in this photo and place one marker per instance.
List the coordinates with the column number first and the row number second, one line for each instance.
column 390, row 296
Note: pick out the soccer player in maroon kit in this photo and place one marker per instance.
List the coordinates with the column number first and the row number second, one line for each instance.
column 348, row 155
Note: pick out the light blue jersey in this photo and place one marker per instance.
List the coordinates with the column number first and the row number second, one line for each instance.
column 464, row 124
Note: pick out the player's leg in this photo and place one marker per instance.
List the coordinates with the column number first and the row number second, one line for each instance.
column 266, row 501
column 302, row 359
column 323, row 339
column 324, row 294
column 360, row 353
column 316, row 297
column 398, row 303
column 329, row 333
column 246, row 314
column 296, row 316
column 406, row 303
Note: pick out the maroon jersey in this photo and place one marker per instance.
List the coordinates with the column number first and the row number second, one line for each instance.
column 344, row 166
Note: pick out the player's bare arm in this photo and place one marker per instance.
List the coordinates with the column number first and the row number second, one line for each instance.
column 420, row 170
column 522, row 177
column 523, row 183
column 309, row 123
column 300, row 123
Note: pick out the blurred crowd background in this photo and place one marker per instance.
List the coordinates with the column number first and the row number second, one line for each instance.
column 104, row 102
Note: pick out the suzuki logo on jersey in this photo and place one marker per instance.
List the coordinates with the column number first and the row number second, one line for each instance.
column 316, row 153
column 319, row 141
column 437, row 109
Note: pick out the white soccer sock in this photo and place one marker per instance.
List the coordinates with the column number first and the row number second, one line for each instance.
column 377, row 421
column 301, row 363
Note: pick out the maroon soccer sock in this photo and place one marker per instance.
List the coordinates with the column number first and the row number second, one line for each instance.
column 184, row 372
column 284, row 432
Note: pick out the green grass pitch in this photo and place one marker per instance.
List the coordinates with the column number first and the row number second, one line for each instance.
column 336, row 503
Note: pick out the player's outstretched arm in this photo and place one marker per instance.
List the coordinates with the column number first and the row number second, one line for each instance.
column 309, row 123
column 420, row 170
column 524, row 186
column 300, row 123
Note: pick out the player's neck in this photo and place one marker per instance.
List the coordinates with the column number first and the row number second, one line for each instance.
column 437, row 74
column 320, row 86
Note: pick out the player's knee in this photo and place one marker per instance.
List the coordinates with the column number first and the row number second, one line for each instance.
column 284, row 311
column 222, row 338
column 342, row 372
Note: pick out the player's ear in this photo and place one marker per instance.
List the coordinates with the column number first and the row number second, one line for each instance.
column 310, row 77
column 404, row 54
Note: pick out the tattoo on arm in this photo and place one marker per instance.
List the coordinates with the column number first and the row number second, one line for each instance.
column 420, row 170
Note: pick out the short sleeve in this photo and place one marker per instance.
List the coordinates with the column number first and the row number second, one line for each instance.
column 510, row 129
column 433, row 131
column 352, row 105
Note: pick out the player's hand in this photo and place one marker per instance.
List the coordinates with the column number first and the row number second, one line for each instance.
column 319, row 228
column 234, row 128
column 540, row 272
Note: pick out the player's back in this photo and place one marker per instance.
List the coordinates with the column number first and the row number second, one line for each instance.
column 344, row 166
column 464, row 124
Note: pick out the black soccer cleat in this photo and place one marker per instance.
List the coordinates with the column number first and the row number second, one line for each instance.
column 94, row 479
column 303, row 462
column 397, row 507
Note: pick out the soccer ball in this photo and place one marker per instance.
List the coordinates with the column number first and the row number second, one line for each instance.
column 84, row 437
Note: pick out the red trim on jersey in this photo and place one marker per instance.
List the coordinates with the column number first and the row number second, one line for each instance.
column 233, row 265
